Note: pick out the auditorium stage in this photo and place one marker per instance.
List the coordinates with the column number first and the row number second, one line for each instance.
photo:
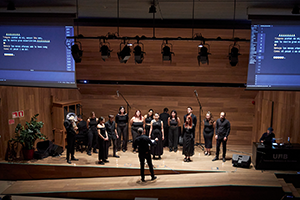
column 119, row 179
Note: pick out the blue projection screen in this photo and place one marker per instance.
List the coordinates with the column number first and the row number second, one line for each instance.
column 37, row 56
column 274, row 57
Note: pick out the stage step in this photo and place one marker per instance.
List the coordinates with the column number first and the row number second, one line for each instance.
column 284, row 186
column 294, row 190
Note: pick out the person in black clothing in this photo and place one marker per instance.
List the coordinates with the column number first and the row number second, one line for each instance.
column 174, row 124
column 164, row 118
column 142, row 142
column 208, row 132
column 112, row 133
column 267, row 137
column 136, row 122
column 188, row 139
column 70, row 128
column 102, row 139
column 92, row 134
column 122, row 128
column 148, row 118
column 222, row 132
column 82, row 131
column 157, row 131
column 194, row 118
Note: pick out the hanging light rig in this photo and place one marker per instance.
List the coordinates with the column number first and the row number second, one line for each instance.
column 203, row 52
column 233, row 54
column 138, row 52
column 104, row 49
column 167, row 51
column 125, row 51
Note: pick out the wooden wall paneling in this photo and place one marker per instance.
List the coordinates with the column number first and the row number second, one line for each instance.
column 235, row 101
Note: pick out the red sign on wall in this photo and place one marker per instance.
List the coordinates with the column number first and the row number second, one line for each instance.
column 11, row 121
column 21, row 113
column 17, row 114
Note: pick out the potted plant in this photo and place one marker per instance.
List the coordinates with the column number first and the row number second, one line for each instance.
column 27, row 135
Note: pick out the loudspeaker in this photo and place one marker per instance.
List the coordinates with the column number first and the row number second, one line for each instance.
column 241, row 161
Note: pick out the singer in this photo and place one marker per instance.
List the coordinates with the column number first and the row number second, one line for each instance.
column 68, row 123
column 194, row 118
column 92, row 134
column 137, row 121
column 157, row 131
column 122, row 128
column 148, row 118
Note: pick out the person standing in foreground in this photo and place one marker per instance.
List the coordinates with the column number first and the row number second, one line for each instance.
column 71, row 134
column 222, row 132
column 110, row 127
column 164, row 118
column 142, row 142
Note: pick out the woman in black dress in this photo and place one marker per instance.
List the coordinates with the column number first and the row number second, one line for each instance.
column 208, row 132
column 148, row 118
column 174, row 124
column 188, row 139
column 136, row 122
column 157, row 131
column 102, row 139
column 92, row 134
column 122, row 128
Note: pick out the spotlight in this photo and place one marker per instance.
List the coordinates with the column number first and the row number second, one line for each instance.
column 152, row 9
column 105, row 50
column 139, row 53
column 76, row 52
column 166, row 51
column 233, row 54
column 124, row 54
column 203, row 52
column 11, row 6
column 295, row 10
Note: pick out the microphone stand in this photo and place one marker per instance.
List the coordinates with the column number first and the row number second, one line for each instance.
column 200, row 110
column 128, row 106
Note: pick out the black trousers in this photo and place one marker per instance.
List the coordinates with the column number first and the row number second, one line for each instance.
column 102, row 149
column 166, row 136
column 106, row 147
column 114, row 141
column 134, row 134
column 143, row 157
column 173, row 137
column 219, row 141
column 122, row 133
column 92, row 139
column 71, row 145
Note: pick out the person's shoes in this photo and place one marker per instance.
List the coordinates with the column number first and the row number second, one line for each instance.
column 159, row 157
column 143, row 180
column 185, row 159
column 69, row 161
column 75, row 159
column 189, row 160
column 89, row 153
column 224, row 159
column 175, row 150
column 116, row 156
column 95, row 151
column 134, row 151
column 101, row 163
column 106, row 161
column 215, row 158
column 124, row 150
column 208, row 154
column 153, row 178
column 205, row 153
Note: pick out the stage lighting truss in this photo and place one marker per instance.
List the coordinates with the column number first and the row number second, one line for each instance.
column 125, row 51
column 138, row 51
column 76, row 52
column 233, row 54
column 203, row 52
column 167, row 51
column 104, row 49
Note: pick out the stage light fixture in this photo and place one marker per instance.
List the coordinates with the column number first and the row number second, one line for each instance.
column 76, row 52
column 233, row 54
column 105, row 50
column 125, row 52
column 152, row 9
column 138, row 51
column 203, row 52
column 295, row 10
column 166, row 51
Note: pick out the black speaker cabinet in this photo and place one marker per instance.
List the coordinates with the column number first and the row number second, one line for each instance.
column 241, row 161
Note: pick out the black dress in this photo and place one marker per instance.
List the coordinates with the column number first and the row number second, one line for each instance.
column 173, row 135
column 157, row 150
column 103, row 150
column 208, row 133
column 147, row 127
column 188, row 141
column 92, row 135
column 134, row 127
column 122, row 130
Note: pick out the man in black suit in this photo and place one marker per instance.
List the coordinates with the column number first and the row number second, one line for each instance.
column 194, row 118
column 82, row 131
column 110, row 126
column 222, row 132
column 143, row 142
column 164, row 117
column 71, row 134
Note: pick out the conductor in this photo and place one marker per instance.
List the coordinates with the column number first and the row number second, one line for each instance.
column 143, row 143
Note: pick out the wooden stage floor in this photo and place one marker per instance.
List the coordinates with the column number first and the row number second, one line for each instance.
column 119, row 179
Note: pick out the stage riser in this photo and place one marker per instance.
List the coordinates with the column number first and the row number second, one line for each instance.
column 38, row 172
column 207, row 193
